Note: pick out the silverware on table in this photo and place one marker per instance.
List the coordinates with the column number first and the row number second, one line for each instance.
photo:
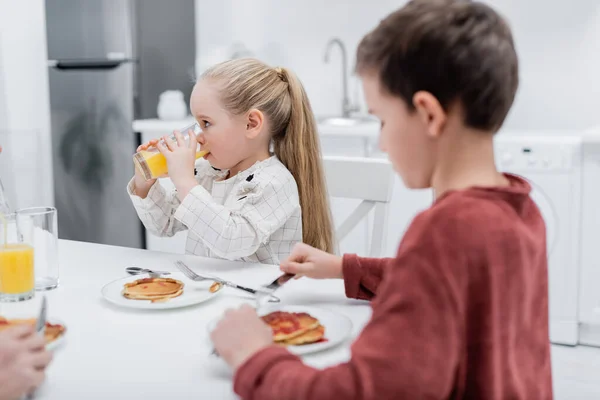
column 142, row 271
column 199, row 278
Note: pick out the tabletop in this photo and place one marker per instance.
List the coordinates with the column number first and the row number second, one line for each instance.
column 111, row 352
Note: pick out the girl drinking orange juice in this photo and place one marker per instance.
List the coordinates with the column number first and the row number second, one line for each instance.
column 245, row 202
column 153, row 164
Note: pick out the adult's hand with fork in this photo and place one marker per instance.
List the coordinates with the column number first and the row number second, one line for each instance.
column 23, row 359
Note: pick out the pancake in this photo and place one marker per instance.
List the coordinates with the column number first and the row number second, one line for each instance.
column 309, row 337
column 286, row 325
column 153, row 289
column 51, row 331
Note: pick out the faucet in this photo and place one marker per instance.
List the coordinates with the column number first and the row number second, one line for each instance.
column 347, row 108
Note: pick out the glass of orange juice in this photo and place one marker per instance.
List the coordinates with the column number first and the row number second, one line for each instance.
column 152, row 164
column 38, row 228
column 17, row 278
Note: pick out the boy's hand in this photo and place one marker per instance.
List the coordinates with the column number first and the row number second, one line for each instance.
column 239, row 335
column 313, row 263
column 181, row 160
column 23, row 358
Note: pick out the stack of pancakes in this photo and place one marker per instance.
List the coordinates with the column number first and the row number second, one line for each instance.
column 294, row 328
column 51, row 331
column 153, row 289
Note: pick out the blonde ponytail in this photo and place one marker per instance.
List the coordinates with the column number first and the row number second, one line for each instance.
column 248, row 83
column 299, row 150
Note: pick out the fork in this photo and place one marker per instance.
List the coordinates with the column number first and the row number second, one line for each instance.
column 198, row 278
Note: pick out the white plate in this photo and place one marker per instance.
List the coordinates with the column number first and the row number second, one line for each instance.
column 193, row 293
column 338, row 327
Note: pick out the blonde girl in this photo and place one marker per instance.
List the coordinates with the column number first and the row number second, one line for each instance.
column 261, row 188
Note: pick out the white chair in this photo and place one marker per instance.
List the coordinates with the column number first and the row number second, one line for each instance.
column 370, row 180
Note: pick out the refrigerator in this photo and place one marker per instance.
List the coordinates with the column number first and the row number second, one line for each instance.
column 92, row 68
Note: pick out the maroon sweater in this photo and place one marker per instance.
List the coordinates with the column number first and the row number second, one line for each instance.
column 460, row 313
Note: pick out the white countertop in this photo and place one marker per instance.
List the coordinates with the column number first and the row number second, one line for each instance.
column 116, row 353
column 161, row 127
column 158, row 127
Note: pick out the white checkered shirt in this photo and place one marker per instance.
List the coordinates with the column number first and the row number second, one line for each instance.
column 254, row 216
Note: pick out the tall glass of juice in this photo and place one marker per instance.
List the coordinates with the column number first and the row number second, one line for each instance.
column 152, row 164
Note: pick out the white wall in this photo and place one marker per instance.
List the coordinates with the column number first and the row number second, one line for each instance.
column 292, row 34
column 25, row 165
column 558, row 45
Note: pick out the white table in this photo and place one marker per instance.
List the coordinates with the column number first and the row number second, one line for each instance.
column 117, row 353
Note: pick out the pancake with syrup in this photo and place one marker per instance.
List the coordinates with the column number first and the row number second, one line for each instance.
column 294, row 328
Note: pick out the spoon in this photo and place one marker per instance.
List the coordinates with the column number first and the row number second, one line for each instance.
column 139, row 271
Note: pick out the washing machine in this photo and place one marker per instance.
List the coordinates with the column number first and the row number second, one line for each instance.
column 552, row 163
column 589, row 287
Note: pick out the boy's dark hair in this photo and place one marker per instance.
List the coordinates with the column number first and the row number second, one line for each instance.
column 457, row 50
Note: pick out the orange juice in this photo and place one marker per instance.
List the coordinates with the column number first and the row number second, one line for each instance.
column 16, row 269
column 152, row 164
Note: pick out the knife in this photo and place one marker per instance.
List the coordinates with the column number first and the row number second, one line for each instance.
column 272, row 287
column 41, row 321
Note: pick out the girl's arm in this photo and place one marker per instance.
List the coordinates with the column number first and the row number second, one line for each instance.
column 155, row 206
column 156, row 209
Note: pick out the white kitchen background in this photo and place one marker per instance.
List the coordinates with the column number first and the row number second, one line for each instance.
column 558, row 44
column 24, row 99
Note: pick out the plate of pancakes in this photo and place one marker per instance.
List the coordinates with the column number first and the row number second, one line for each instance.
column 158, row 293
column 304, row 330
column 54, row 331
